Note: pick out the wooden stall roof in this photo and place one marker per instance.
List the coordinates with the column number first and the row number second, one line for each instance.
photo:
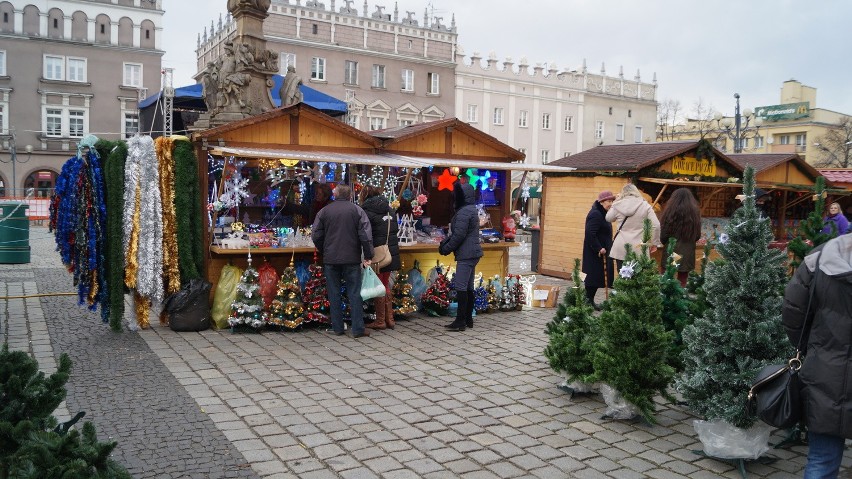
column 450, row 138
column 840, row 177
column 772, row 167
column 633, row 157
column 296, row 125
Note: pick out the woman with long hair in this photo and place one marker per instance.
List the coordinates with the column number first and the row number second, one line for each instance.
column 681, row 220
column 629, row 212
column 384, row 226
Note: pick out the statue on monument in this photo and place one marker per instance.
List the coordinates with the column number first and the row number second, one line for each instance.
column 262, row 5
column 289, row 92
column 232, row 78
column 210, row 86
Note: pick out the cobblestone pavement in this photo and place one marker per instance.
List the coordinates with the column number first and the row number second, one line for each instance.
column 413, row 402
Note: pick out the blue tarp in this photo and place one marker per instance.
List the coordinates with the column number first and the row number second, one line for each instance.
column 190, row 97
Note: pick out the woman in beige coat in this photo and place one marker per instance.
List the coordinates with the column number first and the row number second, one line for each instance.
column 628, row 212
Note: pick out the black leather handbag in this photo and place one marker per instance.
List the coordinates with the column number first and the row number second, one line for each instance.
column 775, row 394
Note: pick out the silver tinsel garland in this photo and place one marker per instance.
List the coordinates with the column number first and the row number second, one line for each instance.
column 149, row 282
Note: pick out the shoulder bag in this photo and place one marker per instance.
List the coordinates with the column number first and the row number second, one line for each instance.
column 381, row 254
column 775, row 394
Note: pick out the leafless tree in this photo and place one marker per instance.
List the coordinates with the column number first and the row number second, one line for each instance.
column 701, row 120
column 835, row 147
column 668, row 116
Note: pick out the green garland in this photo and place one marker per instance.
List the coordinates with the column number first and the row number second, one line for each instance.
column 115, row 153
column 189, row 212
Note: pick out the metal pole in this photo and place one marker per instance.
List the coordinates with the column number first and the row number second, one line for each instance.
column 13, row 150
column 738, row 148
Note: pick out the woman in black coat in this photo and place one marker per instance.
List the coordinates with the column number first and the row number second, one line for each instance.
column 596, row 246
column 385, row 228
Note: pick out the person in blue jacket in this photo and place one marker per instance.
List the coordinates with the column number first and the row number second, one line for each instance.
column 463, row 241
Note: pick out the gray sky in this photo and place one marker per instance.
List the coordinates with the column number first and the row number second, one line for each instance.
column 705, row 50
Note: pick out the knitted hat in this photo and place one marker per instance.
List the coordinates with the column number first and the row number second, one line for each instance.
column 606, row 195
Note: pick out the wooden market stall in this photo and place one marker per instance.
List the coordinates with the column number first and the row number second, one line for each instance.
column 841, row 179
column 418, row 157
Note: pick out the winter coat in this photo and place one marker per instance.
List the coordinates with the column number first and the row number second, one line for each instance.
column 464, row 227
column 598, row 235
column 685, row 247
column 342, row 233
column 826, row 373
column 635, row 210
column 840, row 223
column 377, row 210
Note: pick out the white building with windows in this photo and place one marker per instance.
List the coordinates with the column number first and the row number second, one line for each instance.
column 550, row 114
column 69, row 68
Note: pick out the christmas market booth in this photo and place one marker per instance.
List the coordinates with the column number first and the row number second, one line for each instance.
column 265, row 177
column 658, row 169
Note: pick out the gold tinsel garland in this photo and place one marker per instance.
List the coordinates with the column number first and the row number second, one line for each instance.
column 130, row 261
column 171, row 272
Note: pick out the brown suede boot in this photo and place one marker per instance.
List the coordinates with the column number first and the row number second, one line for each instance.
column 381, row 312
column 389, row 312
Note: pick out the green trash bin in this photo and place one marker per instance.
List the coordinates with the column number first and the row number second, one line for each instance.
column 14, row 233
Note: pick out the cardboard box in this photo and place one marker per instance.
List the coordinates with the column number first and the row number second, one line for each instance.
column 545, row 296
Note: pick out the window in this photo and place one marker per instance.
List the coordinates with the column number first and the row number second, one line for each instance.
column 103, row 28
column 147, row 34
column 76, row 69
column 434, row 83
column 498, row 116
column 637, row 134
column 569, row 123
column 131, row 124
column 599, row 130
column 318, row 69
column 2, row 63
column 378, row 76
column 784, row 139
column 545, row 156
column 55, row 23
column 53, row 122
column 471, row 113
column 407, row 80
column 64, row 122
column 76, row 123
column 522, row 118
column 523, row 150
column 377, row 123
column 314, row 29
column 610, row 110
column 406, row 122
column 758, row 141
column 545, row 121
column 54, row 67
column 743, row 144
column 801, row 142
column 350, row 74
column 286, row 60
column 133, row 75
column 566, row 154
column 353, row 120
column 619, row 132
column 629, row 113
column 3, row 127
column 64, row 68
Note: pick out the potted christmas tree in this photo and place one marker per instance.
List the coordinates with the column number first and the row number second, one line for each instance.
column 507, row 302
column 287, row 311
column 570, row 335
column 740, row 333
column 493, row 295
column 436, row 299
column 403, row 300
column 480, row 294
column 247, row 315
column 630, row 356
column 810, row 230
column 675, row 312
column 316, row 295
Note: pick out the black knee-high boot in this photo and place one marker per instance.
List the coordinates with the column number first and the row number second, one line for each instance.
column 471, row 304
column 590, row 294
column 459, row 323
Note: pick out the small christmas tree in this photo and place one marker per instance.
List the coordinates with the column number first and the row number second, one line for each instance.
column 405, row 235
column 247, row 313
column 436, row 299
column 403, row 300
column 316, row 295
column 287, row 310
column 493, row 296
column 810, row 230
column 631, row 354
column 675, row 313
column 519, row 296
column 507, row 302
column 480, row 295
column 570, row 335
column 741, row 332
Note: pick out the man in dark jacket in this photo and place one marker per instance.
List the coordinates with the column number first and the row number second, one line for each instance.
column 342, row 234
column 464, row 242
column 826, row 372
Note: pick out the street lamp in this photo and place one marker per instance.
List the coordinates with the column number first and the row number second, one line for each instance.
column 738, row 130
column 13, row 158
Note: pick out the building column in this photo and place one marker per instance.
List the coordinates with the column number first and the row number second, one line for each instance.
column 113, row 32
column 42, row 24
column 137, row 35
column 91, row 33
column 158, row 37
column 66, row 27
column 19, row 21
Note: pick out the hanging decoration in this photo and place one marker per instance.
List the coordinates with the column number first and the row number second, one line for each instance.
column 113, row 168
column 405, row 233
column 446, row 180
column 376, row 178
column 163, row 147
column 188, row 213
column 78, row 219
column 235, row 188
column 475, row 178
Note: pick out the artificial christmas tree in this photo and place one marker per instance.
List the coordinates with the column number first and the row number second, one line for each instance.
column 570, row 335
column 480, row 295
column 493, row 295
column 436, row 299
column 810, row 231
column 403, row 300
column 507, row 302
column 405, row 234
column 695, row 287
column 316, row 295
column 247, row 313
column 287, row 311
column 519, row 296
column 741, row 332
column 675, row 312
column 631, row 353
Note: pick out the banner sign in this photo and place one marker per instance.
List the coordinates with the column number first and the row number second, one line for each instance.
column 692, row 167
column 788, row 111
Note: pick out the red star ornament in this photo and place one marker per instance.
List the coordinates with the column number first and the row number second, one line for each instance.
column 446, row 180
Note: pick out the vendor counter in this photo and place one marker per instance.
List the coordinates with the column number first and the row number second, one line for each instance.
column 494, row 261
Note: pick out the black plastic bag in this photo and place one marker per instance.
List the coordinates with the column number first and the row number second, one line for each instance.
column 189, row 308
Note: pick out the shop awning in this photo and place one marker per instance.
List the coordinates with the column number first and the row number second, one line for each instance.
column 487, row 165
column 535, row 192
column 315, row 156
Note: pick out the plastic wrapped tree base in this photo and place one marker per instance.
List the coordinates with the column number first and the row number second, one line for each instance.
column 616, row 406
column 724, row 441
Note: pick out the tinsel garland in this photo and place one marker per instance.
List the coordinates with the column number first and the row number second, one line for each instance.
column 115, row 154
column 171, row 273
column 189, row 216
column 78, row 219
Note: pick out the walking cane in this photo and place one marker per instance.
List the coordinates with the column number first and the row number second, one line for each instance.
column 606, row 278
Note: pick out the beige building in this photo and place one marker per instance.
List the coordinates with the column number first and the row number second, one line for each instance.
column 794, row 125
column 69, row 68
column 391, row 68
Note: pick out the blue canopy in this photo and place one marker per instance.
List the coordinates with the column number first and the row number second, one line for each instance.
column 189, row 97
